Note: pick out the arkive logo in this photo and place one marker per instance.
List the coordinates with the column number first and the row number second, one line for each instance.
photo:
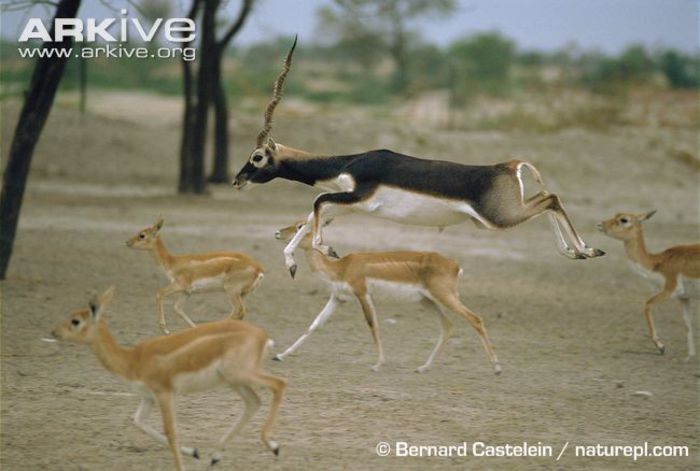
column 178, row 30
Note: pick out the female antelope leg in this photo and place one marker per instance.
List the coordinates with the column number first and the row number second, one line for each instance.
column 294, row 243
column 685, row 305
column 669, row 288
column 371, row 318
column 142, row 414
column 252, row 404
column 452, row 302
column 165, row 403
column 179, row 309
column 160, row 297
column 445, row 332
column 322, row 317
column 276, row 386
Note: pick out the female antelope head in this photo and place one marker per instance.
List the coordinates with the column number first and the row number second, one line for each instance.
column 624, row 226
column 146, row 238
column 262, row 164
column 81, row 326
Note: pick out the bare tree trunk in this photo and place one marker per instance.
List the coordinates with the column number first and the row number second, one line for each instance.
column 219, row 172
column 221, row 154
column 35, row 111
column 185, row 177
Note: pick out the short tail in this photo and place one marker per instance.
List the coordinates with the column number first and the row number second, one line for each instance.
column 518, row 166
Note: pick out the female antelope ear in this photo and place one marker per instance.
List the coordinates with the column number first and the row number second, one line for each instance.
column 159, row 224
column 648, row 215
column 98, row 303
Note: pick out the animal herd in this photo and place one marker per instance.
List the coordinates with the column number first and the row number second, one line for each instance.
column 381, row 183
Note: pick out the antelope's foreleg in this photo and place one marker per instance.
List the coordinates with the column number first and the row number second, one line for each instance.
column 371, row 318
column 165, row 403
column 322, row 317
column 179, row 309
column 669, row 288
column 160, row 297
column 294, row 243
column 142, row 414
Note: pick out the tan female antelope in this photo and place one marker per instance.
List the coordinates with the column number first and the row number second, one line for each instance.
column 673, row 269
column 233, row 272
column 227, row 352
column 405, row 189
column 414, row 276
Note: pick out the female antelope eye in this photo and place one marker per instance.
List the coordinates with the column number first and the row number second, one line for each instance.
column 257, row 158
column 142, row 236
column 624, row 220
column 75, row 322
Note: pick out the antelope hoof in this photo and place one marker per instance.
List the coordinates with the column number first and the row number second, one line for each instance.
column 195, row 454
column 293, row 270
column 598, row 253
column 165, row 330
column 422, row 369
column 497, row 369
column 275, row 447
column 660, row 346
column 375, row 368
column 215, row 459
column 278, row 357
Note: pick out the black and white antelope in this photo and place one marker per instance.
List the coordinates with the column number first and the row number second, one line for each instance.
column 405, row 189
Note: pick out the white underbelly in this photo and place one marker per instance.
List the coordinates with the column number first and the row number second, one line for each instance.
column 201, row 380
column 383, row 291
column 393, row 291
column 414, row 208
column 208, row 284
column 687, row 287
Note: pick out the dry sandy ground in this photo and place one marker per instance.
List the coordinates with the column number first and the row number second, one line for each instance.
column 570, row 334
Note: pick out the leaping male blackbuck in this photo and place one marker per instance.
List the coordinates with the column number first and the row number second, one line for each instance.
column 228, row 352
column 405, row 189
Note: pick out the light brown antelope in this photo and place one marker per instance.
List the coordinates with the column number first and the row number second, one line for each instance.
column 672, row 270
column 405, row 189
column 427, row 277
column 233, row 272
column 227, row 352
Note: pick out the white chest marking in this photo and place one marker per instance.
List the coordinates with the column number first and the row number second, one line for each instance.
column 343, row 182
column 416, row 208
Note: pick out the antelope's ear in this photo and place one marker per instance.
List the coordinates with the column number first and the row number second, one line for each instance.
column 328, row 221
column 648, row 215
column 98, row 303
column 159, row 224
column 271, row 144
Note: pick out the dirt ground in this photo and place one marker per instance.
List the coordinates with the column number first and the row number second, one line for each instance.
column 570, row 334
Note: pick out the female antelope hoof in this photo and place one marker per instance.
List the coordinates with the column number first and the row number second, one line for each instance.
column 278, row 357
column 293, row 270
column 497, row 369
column 660, row 346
